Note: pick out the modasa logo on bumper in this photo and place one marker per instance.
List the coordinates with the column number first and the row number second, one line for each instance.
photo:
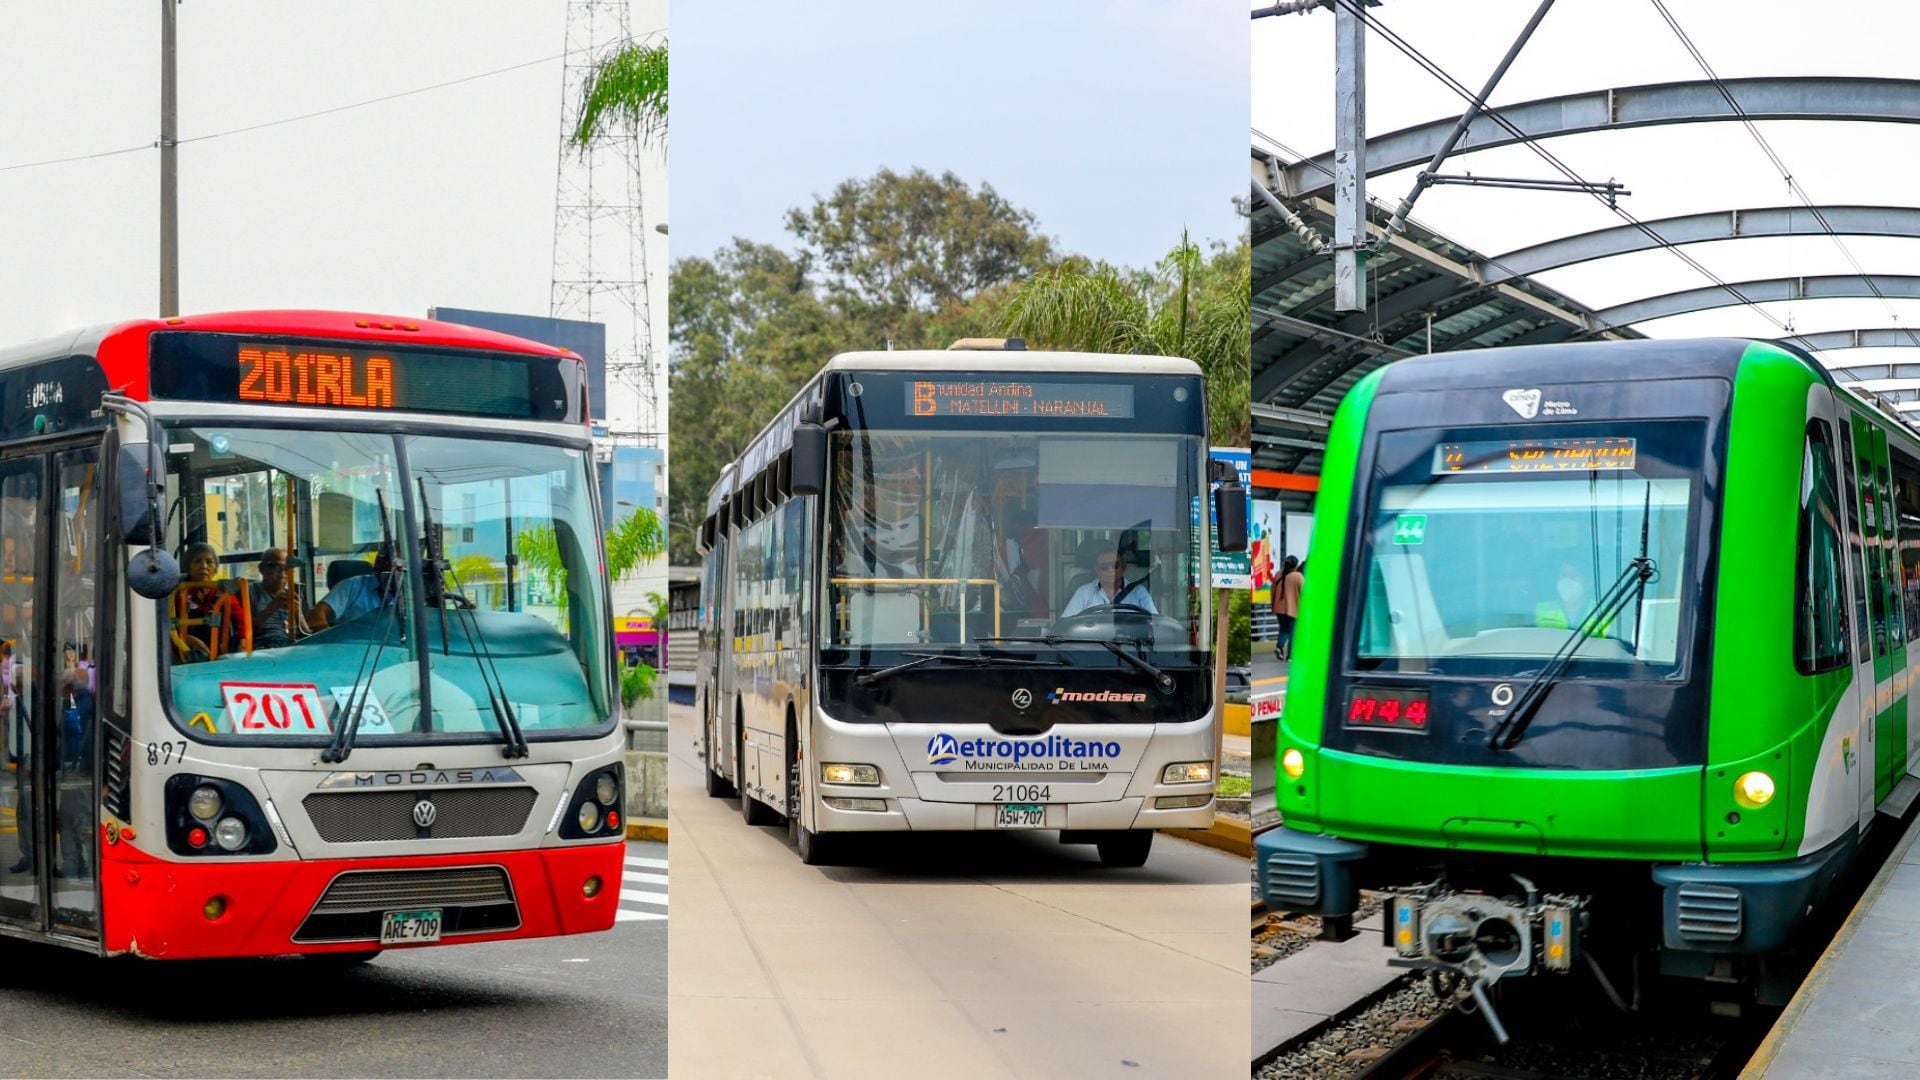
column 1124, row 697
column 1051, row 753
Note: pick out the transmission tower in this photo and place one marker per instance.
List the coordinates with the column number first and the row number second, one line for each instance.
column 599, row 225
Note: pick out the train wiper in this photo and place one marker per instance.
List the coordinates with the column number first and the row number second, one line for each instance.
column 1161, row 680
column 969, row 659
column 1634, row 579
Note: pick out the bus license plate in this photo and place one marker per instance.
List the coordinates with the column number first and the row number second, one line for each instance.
column 1020, row 816
column 410, row 927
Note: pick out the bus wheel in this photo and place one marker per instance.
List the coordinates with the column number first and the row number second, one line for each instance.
column 817, row 850
column 1127, row 847
column 717, row 785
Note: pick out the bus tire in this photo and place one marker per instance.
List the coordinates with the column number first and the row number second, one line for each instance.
column 816, row 850
column 1125, row 847
column 718, row 786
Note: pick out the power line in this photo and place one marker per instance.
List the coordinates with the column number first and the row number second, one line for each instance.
column 1779, row 164
column 306, row 116
column 1553, row 160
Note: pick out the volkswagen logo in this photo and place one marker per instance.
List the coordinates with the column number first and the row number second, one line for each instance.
column 1022, row 698
column 1503, row 695
column 424, row 814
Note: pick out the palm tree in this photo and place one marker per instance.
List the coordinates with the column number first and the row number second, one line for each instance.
column 1188, row 305
column 629, row 87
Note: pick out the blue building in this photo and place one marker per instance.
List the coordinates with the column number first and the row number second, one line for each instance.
column 631, row 477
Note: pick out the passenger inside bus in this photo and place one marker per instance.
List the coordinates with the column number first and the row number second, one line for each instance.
column 277, row 614
column 202, row 607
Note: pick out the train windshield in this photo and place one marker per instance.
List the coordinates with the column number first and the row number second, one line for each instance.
column 1486, row 551
column 308, row 555
column 955, row 539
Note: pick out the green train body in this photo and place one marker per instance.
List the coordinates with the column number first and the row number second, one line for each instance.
column 1474, row 509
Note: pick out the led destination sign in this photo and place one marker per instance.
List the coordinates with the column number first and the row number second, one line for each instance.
column 1534, row 455
column 362, row 375
column 1108, row 401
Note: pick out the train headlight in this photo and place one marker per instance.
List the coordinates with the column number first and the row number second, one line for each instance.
column 831, row 773
column 1293, row 763
column 1753, row 790
column 1187, row 772
column 205, row 803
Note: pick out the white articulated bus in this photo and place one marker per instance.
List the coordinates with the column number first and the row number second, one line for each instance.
column 968, row 590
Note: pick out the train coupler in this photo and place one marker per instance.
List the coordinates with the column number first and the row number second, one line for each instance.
column 1484, row 937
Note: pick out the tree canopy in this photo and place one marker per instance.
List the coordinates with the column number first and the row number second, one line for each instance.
column 628, row 87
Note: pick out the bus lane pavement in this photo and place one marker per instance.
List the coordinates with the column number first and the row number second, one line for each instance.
column 964, row 955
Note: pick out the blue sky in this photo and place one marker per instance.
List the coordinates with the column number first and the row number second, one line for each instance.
column 1116, row 122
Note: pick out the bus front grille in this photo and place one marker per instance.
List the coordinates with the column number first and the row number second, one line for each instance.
column 364, row 817
column 472, row 900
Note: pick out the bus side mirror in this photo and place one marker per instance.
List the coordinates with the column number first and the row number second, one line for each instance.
column 809, row 458
column 152, row 573
column 1230, row 517
column 133, row 505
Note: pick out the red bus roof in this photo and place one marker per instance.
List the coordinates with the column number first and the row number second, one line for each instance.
column 122, row 348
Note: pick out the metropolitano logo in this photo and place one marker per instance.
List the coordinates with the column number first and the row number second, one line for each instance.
column 943, row 749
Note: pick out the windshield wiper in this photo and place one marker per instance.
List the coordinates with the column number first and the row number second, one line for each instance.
column 1161, row 680
column 970, row 659
column 349, row 726
column 1634, row 578
column 440, row 569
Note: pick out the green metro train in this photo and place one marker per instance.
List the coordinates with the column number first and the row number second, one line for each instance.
column 1605, row 653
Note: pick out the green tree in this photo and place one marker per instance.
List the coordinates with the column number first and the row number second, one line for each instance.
column 1190, row 305
column 633, row 540
column 627, row 88
column 896, row 246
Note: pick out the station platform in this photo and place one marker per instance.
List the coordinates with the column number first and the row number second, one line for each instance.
column 1855, row 1014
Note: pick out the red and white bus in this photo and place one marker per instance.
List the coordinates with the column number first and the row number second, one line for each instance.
column 304, row 644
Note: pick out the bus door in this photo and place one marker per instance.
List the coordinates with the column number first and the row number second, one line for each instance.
column 49, row 588
column 723, row 741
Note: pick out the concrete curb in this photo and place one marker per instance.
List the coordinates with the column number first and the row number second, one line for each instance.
column 649, row 829
column 1231, row 835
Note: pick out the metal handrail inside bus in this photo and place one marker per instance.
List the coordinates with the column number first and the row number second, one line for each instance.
column 963, row 583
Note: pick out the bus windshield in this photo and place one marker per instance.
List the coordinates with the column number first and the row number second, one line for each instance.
column 306, row 555
column 955, row 538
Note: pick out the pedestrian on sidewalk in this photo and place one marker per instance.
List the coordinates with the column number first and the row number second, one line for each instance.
column 1286, row 605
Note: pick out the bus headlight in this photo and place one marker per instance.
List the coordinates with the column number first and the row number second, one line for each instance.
column 1293, row 763
column 1187, row 772
column 230, row 834
column 205, row 803
column 849, row 774
column 605, row 790
column 589, row 816
column 1753, row 790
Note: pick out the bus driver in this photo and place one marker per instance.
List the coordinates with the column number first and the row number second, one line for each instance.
column 1109, row 586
